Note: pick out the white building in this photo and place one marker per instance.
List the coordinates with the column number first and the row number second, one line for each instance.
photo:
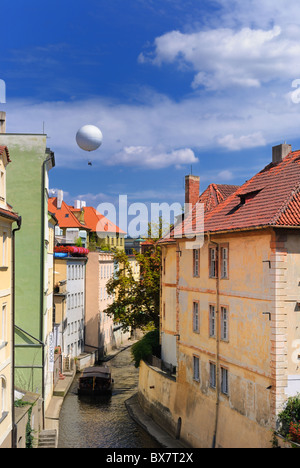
column 74, row 332
column 70, row 274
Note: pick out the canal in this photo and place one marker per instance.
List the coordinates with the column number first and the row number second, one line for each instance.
column 104, row 422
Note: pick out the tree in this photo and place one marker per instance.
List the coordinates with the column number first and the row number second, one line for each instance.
column 136, row 302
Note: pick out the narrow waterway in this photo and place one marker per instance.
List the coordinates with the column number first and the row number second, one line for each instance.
column 104, row 422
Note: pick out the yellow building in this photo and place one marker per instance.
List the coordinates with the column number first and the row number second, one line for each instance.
column 229, row 315
column 7, row 218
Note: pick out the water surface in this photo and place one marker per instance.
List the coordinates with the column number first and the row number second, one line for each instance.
column 104, row 422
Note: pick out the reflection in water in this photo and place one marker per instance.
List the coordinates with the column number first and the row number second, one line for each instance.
column 104, row 422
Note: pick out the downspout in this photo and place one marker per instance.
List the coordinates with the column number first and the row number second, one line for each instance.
column 13, row 306
column 217, row 341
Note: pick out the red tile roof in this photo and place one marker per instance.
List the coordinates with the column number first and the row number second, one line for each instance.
column 98, row 222
column 9, row 214
column 270, row 198
column 211, row 198
column 64, row 215
column 215, row 194
column 5, row 149
column 93, row 220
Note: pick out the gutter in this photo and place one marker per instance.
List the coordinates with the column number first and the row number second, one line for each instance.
column 14, row 426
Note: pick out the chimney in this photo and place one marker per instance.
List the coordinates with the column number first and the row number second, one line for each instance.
column 192, row 189
column 280, row 152
column 77, row 204
column 60, row 197
column 2, row 122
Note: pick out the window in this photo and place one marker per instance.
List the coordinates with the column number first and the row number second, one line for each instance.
column 212, row 375
column 224, row 323
column 2, row 185
column 224, row 381
column 196, row 255
column 3, row 253
column 213, row 270
column 224, row 262
column 212, row 321
column 196, row 317
column 3, row 335
column 196, row 368
column 2, row 398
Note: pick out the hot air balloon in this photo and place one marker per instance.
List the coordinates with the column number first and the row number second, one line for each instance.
column 89, row 138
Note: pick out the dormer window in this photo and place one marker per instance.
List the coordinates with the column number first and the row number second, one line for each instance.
column 247, row 196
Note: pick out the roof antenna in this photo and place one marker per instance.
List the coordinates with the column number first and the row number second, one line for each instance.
column 191, row 169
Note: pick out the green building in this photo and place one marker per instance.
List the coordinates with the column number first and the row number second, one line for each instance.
column 27, row 191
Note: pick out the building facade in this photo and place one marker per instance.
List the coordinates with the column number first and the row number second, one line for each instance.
column 70, row 297
column 7, row 224
column 229, row 321
column 101, row 332
column 30, row 175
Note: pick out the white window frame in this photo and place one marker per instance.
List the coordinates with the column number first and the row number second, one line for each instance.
column 212, row 375
column 196, row 322
column 224, row 323
column 4, row 252
column 224, row 381
column 224, row 262
column 213, row 262
column 2, row 186
column 196, row 368
column 196, row 263
column 212, row 321
column 3, row 338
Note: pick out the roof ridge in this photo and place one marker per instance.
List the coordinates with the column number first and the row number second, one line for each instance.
column 227, row 200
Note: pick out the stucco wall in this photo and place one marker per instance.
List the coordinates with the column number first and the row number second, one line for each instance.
column 165, row 401
column 245, row 414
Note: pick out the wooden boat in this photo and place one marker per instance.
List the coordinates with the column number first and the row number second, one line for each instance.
column 95, row 381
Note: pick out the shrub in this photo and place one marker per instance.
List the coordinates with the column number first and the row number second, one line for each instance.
column 147, row 346
column 289, row 418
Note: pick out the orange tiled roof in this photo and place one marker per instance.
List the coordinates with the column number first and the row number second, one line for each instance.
column 270, row 198
column 215, row 194
column 64, row 215
column 5, row 149
column 211, row 198
column 98, row 222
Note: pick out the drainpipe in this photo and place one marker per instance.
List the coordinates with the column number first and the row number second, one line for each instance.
column 217, row 341
column 14, row 426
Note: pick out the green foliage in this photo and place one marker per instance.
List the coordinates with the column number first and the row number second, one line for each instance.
column 147, row 346
column 290, row 415
column 136, row 302
column 78, row 242
column 29, row 430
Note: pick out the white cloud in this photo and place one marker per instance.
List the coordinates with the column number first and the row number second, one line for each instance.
column 153, row 158
column 225, row 175
column 244, row 141
column 227, row 57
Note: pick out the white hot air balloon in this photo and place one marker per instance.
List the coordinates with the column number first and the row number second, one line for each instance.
column 89, row 138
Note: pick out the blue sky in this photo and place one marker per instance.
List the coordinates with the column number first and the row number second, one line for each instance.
column 170, row 83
